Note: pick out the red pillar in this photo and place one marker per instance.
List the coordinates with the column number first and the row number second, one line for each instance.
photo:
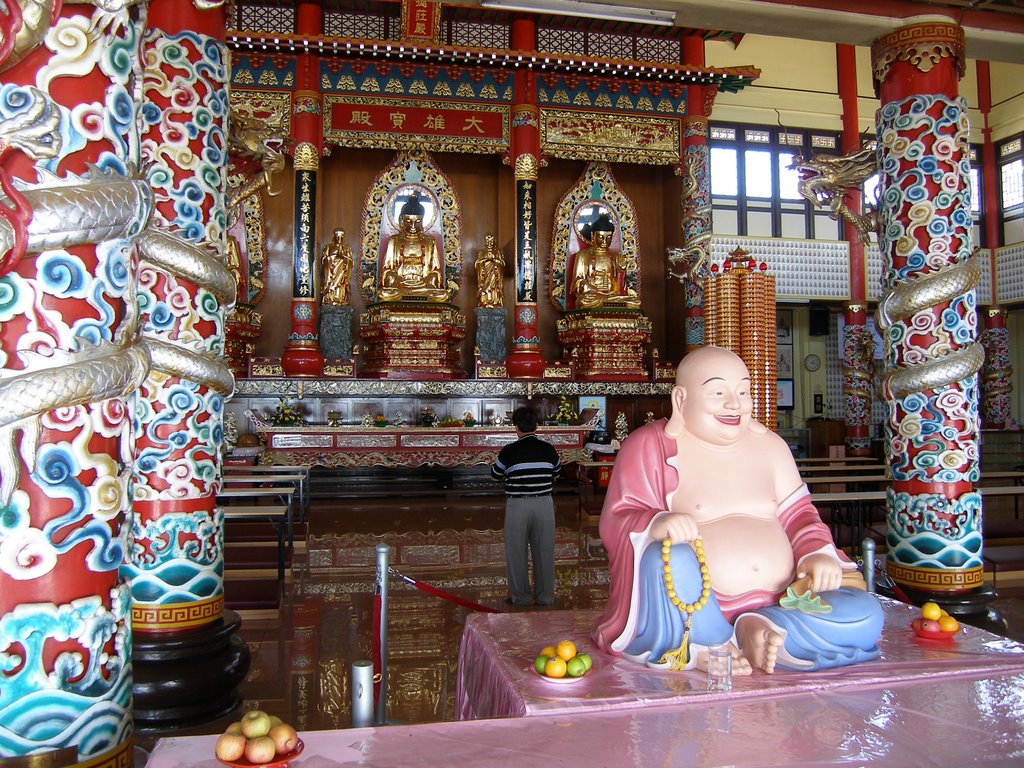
column 188, row 660
column 997, row 374
column 302, row 356
column 928, row 314
column 857, row 351
column 697, row 222
column 70, row 362
column 525, row 360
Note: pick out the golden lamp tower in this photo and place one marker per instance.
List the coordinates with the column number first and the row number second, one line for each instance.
column 739, row 314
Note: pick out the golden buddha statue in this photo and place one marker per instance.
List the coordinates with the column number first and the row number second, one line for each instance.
column 490, row 267
column 336, row 266
column 412, row 266
column 598, row 272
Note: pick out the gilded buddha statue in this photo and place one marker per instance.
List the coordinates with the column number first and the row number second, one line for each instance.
column 598, row 273
column 413, row 268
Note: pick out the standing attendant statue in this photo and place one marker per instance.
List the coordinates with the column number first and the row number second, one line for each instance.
column 490, row 314
column 336, row 266
column 490, row 268
column 335, row 312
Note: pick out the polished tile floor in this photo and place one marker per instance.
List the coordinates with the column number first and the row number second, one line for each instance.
column 303, row 650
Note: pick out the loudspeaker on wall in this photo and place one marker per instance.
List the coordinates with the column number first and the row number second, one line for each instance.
column 818, row 321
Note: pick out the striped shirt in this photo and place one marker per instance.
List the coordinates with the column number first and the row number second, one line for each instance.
column 528, row 466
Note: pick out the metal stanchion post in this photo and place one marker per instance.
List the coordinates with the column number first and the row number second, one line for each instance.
column 867, row 548
column 361, row 683
column 383, row 555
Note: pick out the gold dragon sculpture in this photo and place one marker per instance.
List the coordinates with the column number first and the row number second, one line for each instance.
column 826, row 180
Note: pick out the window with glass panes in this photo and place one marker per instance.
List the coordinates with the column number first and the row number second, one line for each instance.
column 1010, row 159
column 755, row 192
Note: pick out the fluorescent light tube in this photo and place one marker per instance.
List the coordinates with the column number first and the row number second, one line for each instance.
column 585, row 10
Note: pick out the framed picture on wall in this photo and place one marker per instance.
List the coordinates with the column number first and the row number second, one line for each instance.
column 784, row 394
column 784, row 361
column 784, row 326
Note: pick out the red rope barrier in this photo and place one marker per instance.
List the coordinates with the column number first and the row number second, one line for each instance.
column 375, row 644
column 444, row 595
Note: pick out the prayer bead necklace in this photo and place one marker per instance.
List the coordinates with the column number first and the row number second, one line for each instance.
column 678, row 658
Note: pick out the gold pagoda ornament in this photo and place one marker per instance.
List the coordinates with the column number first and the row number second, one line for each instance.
column 739, row 314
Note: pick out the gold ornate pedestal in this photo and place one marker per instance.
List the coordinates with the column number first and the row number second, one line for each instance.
column 607, row 344
column 404, row 340
column 241, row 334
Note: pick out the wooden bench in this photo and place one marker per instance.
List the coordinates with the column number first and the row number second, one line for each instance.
column 298, row 473
column 278, row 514
column 230, row 496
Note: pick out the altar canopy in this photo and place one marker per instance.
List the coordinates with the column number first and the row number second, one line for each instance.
column 594, row 279
column 409, row 277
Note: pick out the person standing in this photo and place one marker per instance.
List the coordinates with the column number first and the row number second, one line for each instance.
column 529, row 467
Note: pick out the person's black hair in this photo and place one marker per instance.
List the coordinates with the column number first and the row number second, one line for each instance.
column 525, row 419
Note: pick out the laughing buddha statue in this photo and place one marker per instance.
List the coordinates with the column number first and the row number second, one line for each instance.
column 412, row 267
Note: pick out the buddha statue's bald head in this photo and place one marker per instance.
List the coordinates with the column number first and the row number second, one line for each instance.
column 711, row 398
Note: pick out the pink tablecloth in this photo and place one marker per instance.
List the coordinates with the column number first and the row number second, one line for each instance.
column 496, row 677
column 969, row 719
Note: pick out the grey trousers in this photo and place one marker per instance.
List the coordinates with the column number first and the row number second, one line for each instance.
column 530, row 524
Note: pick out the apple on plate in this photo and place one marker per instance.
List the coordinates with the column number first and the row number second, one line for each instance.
column 255, row 723
column 284, row 737
column 230, row 746
column 260, row 750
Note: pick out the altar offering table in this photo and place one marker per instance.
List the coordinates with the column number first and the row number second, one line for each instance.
column 496, row 678
column 939, row 722
column 321, row 445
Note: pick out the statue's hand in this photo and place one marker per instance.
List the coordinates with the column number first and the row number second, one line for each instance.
column 677, row 527
column 824, row 572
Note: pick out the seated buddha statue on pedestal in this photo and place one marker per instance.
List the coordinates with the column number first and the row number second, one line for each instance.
column 412, row 268
column 598, row 272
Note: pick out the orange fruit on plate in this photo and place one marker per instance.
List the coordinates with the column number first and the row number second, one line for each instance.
column 931, row 611
column 555, row 667
column 547, row 650
column 948, row 624
column 566, row 650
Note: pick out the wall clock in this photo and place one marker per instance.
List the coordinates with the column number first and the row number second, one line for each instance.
column 812, row 363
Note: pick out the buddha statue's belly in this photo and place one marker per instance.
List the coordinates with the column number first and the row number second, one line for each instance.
column 747, row 553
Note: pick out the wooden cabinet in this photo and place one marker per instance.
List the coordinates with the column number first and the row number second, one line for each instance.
column 823, row 433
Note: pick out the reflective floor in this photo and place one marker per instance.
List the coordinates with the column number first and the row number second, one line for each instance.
column 303, row 649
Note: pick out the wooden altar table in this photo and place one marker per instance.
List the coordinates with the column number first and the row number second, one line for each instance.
column 496, row 678
column 321, row 445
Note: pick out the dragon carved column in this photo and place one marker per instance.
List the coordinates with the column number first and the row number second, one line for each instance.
column 997, row 373
column 690, row 263
column 928, row 316
column 176, row 562
column 71, row 209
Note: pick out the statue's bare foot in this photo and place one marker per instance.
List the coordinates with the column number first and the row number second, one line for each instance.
column 759, row 643
column 740, row 666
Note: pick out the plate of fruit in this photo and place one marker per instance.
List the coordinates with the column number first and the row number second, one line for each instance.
column 258, row 740
column 562, row 664
column 934, row 623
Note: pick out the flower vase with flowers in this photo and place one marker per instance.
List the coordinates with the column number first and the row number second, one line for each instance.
column 286, row 415
column 564, row 414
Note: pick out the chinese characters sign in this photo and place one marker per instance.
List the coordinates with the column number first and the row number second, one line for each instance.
column 421, row 19
column 356, row 122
